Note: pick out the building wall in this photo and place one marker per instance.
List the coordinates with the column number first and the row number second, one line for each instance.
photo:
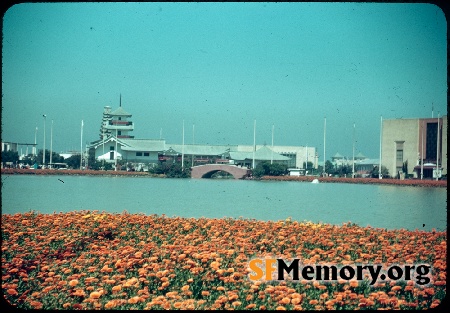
column 298, row 153
column 406, row 135
column 130, row 156
column 402, row 135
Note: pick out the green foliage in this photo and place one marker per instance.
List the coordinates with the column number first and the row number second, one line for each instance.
column 29, row 159
column 265, row 168
column 308, row 166
column 10, row 156
column 73, row 161
column 384, row 172
column 171, row 170
column 405, row 167
column 329, row 167
column 91, row 157
column 56, row 158
column 99, row 165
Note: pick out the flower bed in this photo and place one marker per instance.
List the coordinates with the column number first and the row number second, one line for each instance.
column 92, row 260
column 384, row 181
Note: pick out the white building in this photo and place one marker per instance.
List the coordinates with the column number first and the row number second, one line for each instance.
column 116, row 143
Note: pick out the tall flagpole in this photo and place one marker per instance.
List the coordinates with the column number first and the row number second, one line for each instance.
column 43, row 154
column 51, row 143
column 437, row 152
column 324, row 136
column 353, row 165
column 115, row 153
column 254, row 143
column 81, row 150
column 182, row 151
column 421, row 156
column 271, row 158
column 380, row 175
column 306, row 163
column 193, row 143
column 35, row 146
column 103, row 155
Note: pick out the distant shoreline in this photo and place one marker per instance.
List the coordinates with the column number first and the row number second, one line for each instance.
column 385, row 181
column 372, row 181
column 14, row 171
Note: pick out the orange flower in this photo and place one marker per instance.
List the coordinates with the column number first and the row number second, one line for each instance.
column 95, row 295
column 354, row 283
column 185, row 288
column 285, row 300
column 313, row 302
column 236, row 303
column 116, row 288
column 396, row 288
column 296, row 301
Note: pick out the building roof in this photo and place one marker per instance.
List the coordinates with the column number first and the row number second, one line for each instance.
column 120, row 112
column 337, row 156
column 360, row 156
column 368, row 162
column 142, row 144
column 263, row 154
column 206, row 150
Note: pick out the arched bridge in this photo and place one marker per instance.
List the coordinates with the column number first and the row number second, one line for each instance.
column 206, row 171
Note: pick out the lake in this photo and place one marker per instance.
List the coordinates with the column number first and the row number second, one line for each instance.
column 390, row 207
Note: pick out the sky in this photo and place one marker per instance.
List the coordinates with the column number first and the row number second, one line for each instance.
column 218, row 68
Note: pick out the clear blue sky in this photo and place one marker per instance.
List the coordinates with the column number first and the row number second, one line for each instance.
column 221, row 66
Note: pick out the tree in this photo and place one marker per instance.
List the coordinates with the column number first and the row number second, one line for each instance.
column 329, row 168
column 10, row 156
column 308, row 167
column 172, row 170
column 265, row 168
column 384, row 172
column 405, row 167
column 91, row 157
column 73, row 161
column 56, row 158
column 29, row 159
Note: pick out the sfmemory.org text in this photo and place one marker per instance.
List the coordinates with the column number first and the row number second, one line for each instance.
column 279, row 269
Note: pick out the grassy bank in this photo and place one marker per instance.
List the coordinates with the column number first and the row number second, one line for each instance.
column 384, row 181
column 98, row 260
column 11, row 171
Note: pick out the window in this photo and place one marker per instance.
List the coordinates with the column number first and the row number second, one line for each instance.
column 138, row 153
column 399, row 156
column 111, row 148
column 147, row 154
column 120, row 133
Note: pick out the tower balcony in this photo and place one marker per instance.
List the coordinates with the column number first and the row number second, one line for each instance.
column 121, row 123
column 119, row 127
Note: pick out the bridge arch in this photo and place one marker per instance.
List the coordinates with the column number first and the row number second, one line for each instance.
column 207, row 170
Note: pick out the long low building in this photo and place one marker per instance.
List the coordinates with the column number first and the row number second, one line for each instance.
column 153, row 151
column 116, row 143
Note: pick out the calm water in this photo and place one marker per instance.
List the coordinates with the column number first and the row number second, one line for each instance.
column 390, row 207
